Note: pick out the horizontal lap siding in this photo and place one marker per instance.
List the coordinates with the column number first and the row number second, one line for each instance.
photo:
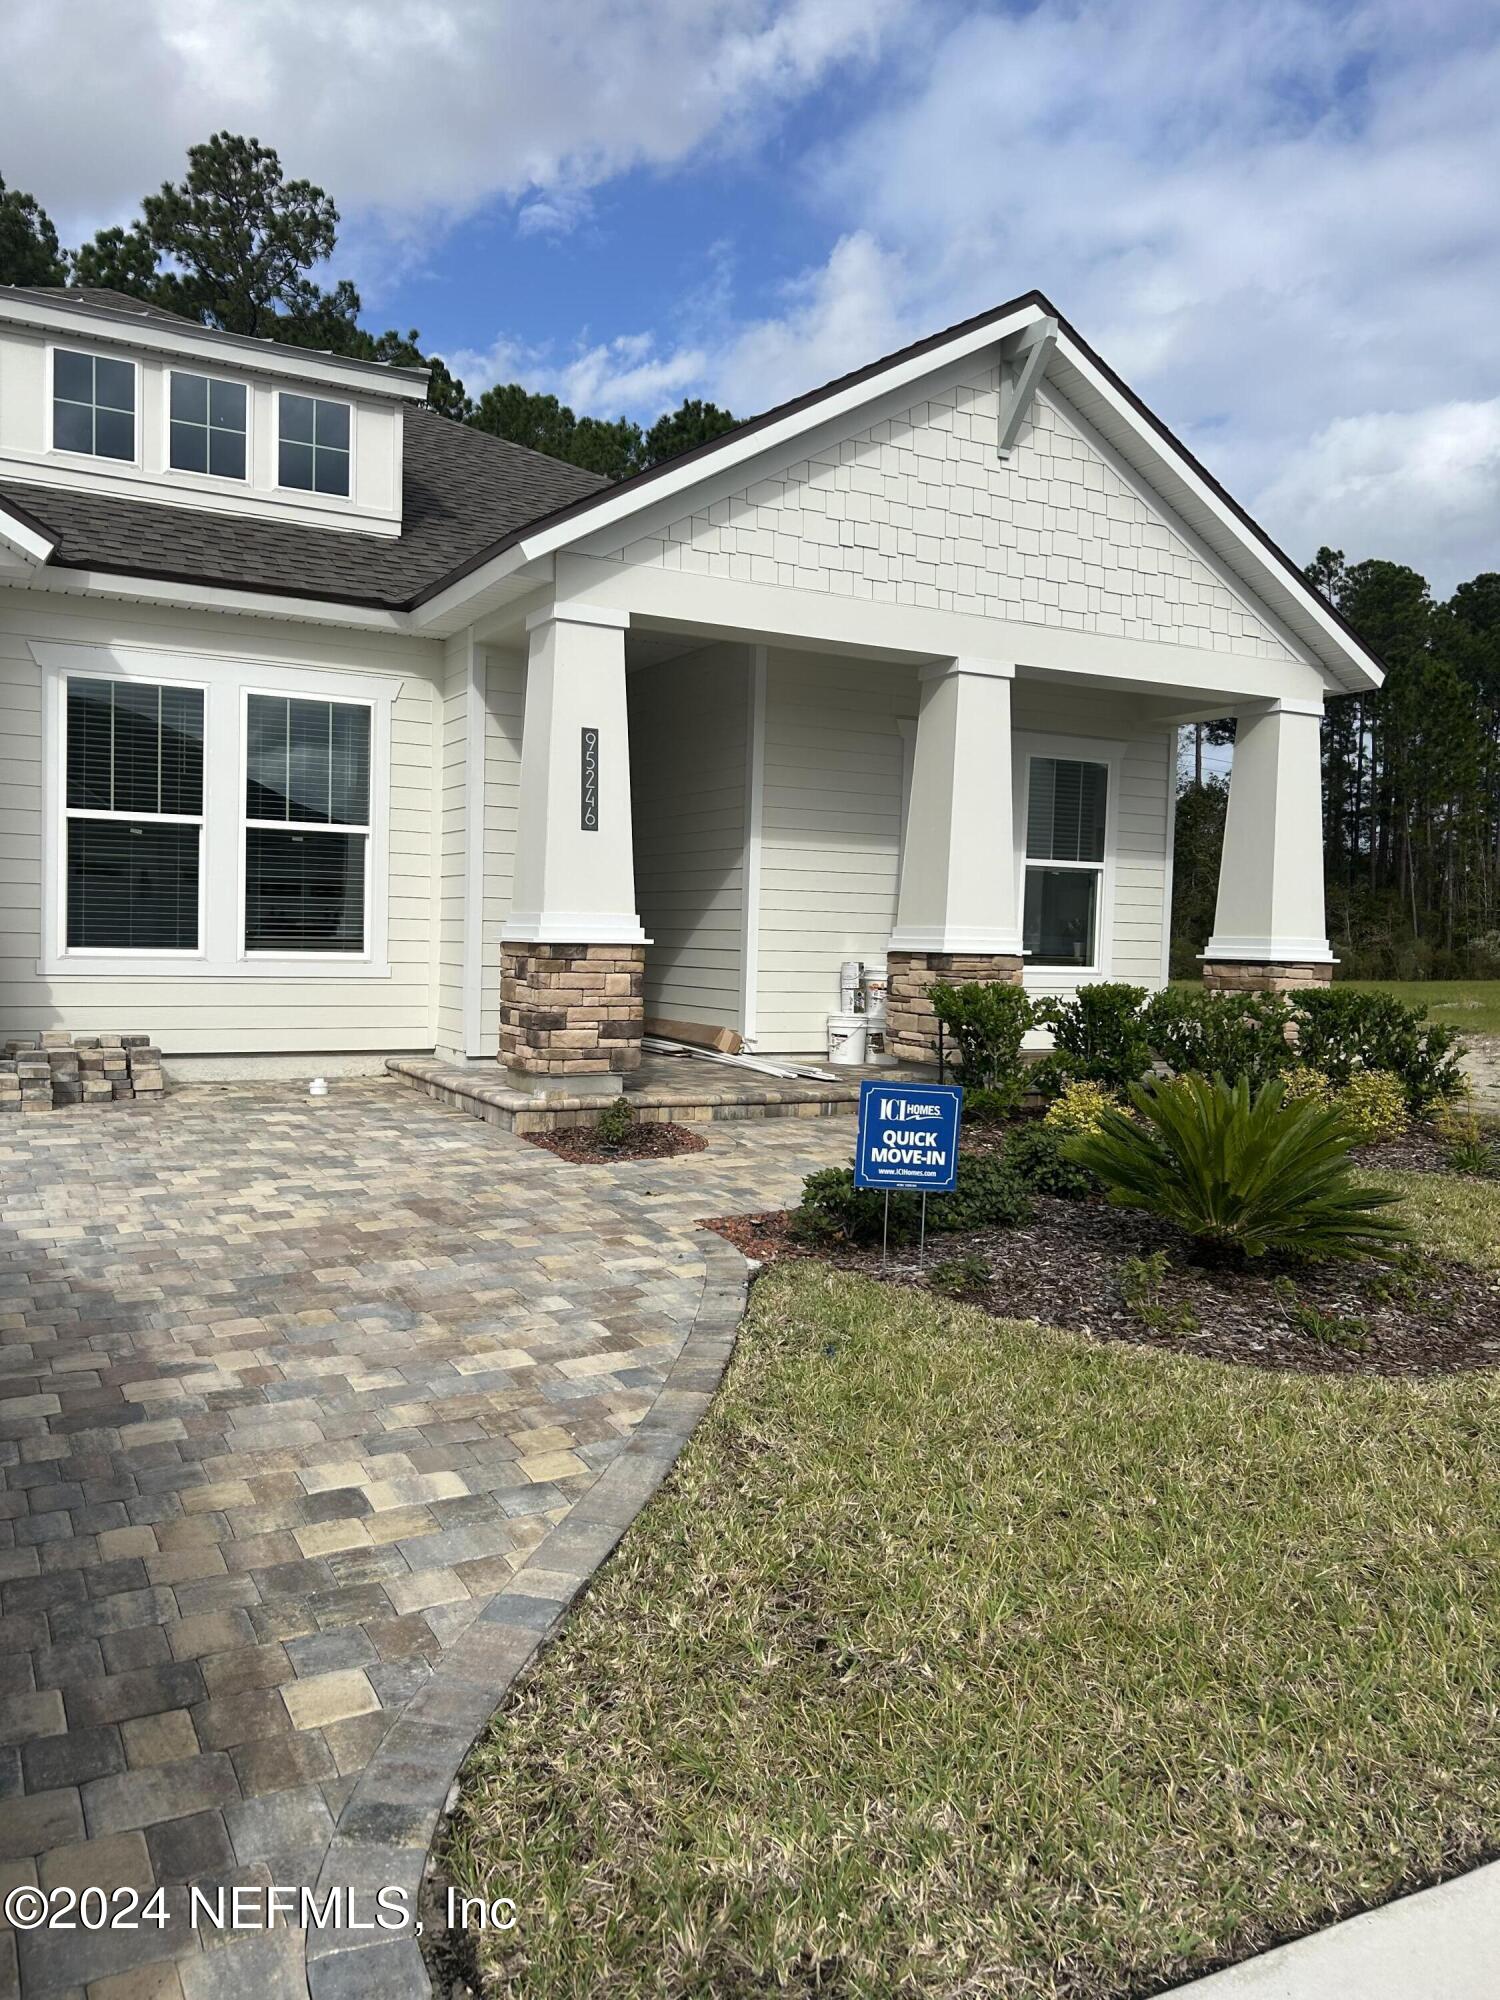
column 831, row 833
column 234, row 1016
column 505, row 700
column 688, row 746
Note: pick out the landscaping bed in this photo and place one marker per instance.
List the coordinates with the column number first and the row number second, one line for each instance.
column 1070, row 1266
column 583, row 1145
column 966, row 1657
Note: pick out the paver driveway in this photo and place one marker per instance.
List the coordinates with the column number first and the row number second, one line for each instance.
column 291, row 1389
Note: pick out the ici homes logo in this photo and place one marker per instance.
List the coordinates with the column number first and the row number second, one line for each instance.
column 902, row 1110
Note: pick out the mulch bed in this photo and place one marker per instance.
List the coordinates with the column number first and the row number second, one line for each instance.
column 1064, row 1268
column 581, row 1144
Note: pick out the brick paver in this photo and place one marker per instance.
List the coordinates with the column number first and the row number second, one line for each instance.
column 289, row 1390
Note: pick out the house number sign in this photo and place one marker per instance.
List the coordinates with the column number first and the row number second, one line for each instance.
column 589, row 782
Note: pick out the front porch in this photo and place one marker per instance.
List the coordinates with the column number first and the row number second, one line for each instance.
column 706, row 823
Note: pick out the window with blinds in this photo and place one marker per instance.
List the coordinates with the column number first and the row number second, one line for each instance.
column 134, row 812
column 1066, row 801
column 307, row 824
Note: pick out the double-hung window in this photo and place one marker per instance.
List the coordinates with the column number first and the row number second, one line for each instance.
column 307, row 824
column 1066, row 802
column 133, row 815
column 312, row 444
column 207, row 426
column 93, row 405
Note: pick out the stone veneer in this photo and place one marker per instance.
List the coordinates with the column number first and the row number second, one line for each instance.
column 912, row 1025
column 1242, row 975
column 571, row 1011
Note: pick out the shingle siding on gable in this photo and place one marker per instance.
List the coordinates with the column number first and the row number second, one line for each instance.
column 920, row 510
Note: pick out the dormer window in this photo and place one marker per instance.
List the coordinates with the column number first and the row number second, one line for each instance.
column 93, row 405
column 313, row 445
column 207, row 426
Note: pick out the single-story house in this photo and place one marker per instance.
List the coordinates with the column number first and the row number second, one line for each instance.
column 330, row 724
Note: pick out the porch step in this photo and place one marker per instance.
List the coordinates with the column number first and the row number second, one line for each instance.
column 665, row 1090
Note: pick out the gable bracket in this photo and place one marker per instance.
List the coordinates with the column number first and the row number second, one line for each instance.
column 1023, row 363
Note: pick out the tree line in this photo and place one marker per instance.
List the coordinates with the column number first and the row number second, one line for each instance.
column 236, row 245
column 1411, row 786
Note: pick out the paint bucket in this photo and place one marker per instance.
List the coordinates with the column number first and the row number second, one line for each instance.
column 849, row 973
column 846, row 1038
column 873, row 986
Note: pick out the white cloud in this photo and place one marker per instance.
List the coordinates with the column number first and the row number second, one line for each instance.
column 424, row 107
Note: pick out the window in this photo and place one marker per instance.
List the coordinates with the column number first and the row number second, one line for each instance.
column 1066, row 800
column 313, row 445
column 93, row 405
column 207, row 424
column 134, row 814
column 307, row 824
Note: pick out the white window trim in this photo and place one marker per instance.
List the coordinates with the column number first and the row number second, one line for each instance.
column 327, row 499
column 247, row 825
column 161, row 955
column 221, row 855
column 1027, row 744
column 54, row 449
column 211, row 479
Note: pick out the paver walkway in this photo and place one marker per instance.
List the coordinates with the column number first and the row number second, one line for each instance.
column 291, row 1388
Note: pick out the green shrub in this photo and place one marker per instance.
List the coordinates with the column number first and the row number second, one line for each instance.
column 1469, row 1147
column 1241, row 1175
column 1038, row 1156
column 1100, row 1034
column 615, row 1123
column 988, row 1107
column 1302, row 1082
column 1080, row 1108
column 1373, row 1105
column 959, row 1277
column 1141, row 1280
column 988, row 1024
column 1220, row 1034
column 989, row 1195
column 1341, row 1032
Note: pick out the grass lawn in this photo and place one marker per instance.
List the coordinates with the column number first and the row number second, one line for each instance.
column 1472, row 1005
column 1451, row 1217
column 964, row 1657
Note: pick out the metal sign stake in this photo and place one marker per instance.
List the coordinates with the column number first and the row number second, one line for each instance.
column 922, row 1235
column 885, row 1232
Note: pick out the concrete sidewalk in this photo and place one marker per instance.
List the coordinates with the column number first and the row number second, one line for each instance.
column 1443, row 1944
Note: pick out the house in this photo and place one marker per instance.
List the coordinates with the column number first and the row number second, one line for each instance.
column 332, row 725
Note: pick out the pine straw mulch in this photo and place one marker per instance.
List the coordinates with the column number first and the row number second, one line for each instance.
column 1066, row 1268
column 582, row 1145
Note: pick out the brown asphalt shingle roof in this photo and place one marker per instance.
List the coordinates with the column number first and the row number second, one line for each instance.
column 463, row 490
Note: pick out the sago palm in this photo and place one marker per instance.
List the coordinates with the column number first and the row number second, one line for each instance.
column 1241, row 1174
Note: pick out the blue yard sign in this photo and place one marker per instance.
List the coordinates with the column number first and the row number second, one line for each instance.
column 908, row 1136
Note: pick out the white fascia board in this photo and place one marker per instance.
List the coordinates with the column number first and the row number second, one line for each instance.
column 224, row 350
column 209, row 597
column 1365, row 669
column 25, row 540
column 771, row 438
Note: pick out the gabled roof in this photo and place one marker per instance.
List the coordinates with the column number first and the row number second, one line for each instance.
column 475, row 505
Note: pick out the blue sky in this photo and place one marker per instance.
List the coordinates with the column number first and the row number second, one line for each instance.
column 1276, row 218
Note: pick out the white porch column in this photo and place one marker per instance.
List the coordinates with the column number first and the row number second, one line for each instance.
column 1269, row 928
column 572, row 953
column 956, row 915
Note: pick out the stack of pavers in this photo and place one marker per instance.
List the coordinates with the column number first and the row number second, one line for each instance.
column 49, row 1071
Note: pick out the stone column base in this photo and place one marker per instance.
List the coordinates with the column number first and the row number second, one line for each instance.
column 912, row 1025
column 1239, row 975
column 571, row 1015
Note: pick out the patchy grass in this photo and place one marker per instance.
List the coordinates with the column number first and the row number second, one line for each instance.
column 1450, row 1216
column 1471, row 1005
column 960, row 1656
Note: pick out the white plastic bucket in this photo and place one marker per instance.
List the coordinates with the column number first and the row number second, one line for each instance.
column 873, row 987
column 846, row 1038
column 849, row 986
